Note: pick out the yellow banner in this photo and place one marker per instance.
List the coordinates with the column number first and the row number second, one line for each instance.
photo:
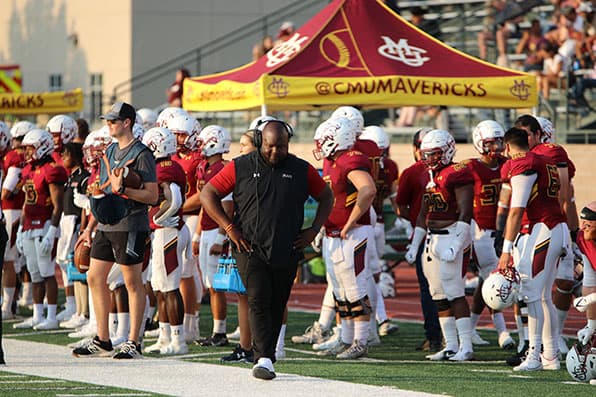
column 42, row 102
column 223, row 96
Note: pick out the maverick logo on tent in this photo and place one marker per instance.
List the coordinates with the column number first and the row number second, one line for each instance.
column 284, row 51
column 401, row 51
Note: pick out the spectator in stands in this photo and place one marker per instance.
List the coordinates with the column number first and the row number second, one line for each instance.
column 174, row 92
column 500, row 24
column 553, row 66
column 83, row 131
column 286, row 31
column 577, row 99
column 530, row 45
column 260, row 49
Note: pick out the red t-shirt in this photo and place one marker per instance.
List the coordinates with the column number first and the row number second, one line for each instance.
column 38, row 203
column 487, row 186
column 206, row 172
column 14, row 201
column 440, row 201
column 167, row 171
column 588, row 248
column 410, row 188
column 189, row 164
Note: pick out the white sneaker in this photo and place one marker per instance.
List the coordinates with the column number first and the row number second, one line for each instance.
column 65, row 314
column 235, row 334
column 506, row 342
column 313, row 334
column 75, row 321
column 462, row 355
column 7, row 315
column 388, row 328
column 280, row 354
column 80, row 343
column 529, row 364
column 28, row 323
column 550, row 364
column 263, row 369
column 339, row 348
column 354, row 351
column 156, row 347
column 174, row 348
column 593, row 382
column 441, row 355
column 191, row 336
column 118, row 340
column 563, row 348
column 85, row 331
column 373, row 339
column 46, row 325
column 154, row 333
column 334, row 340
column 477, row 340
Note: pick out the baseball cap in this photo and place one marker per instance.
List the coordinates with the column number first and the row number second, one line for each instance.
column 120, row 111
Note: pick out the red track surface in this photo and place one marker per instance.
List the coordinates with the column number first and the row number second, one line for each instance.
column 406, row 304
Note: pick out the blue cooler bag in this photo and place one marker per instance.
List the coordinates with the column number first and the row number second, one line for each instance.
column 227, row 278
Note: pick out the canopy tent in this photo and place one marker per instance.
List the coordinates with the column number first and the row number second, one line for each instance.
column 359, row 52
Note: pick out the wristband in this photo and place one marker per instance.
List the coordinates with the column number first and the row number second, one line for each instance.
column 196, row 238
column 507, row 246
column 219, row 239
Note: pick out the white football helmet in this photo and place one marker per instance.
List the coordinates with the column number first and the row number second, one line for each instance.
column 377, row 135
column 41, row 140
column 21, row 128
column 260, row 121
column 581, row 361
column 95, row 145
column 168, row 114
column 333, row 135
column 500, row 288
column 148, row 118
column 160, row 141
column 214, row 139
column 437, row 149
column 5, row 136
column 138, row 131
column 548, row 130
column 485, row 133
column 63, row 127
column 187, row 126
column 352, row 114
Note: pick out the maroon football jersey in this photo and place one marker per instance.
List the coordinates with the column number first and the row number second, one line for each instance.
column 93, row 183
column 14, row 201
column 38, row 203
column 588, row 248
column 167, row 171
column 487, row 186
column 387, row 176
column 543, row 204
column 555, row 155
column 335, row 174
column 371, row 150
column 189, row 164
column 411, row 187
column 204, row 173
column 440, row 201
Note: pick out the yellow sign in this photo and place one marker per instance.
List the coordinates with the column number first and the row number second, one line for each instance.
column 10, row 78
column 42, row 102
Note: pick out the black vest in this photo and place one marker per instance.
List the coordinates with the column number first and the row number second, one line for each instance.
column 269, row 205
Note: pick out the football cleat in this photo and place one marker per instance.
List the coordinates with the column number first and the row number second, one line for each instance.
column 85, row 331
column 65, row 315
column 553, row 364
column 174, row 348
column 235, row 334
column 75, row 321
column 239, row 355
column 117, row 341
column 333, row 340
column 154, row 333
column 94, row 348
column 354, row 351
column 335, row 350
column 46, row 324
column 518, row 357
column 28, row 323
column 441, row 355
column 313, row 334
column 217, row 340
column 388, row 328
column 506, row 342
column 529, row 364
column 462, row 356
column 477, row 340
column 129, row 350
column 156, row 347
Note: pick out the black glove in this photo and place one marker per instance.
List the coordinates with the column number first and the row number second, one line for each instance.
column 498, row 244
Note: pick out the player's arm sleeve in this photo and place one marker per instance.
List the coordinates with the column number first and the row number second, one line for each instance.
column 521, row 188
column 13, row 175
column 316, row 184
column 225, row 180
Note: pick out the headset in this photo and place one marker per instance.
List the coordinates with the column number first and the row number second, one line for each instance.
column 258, row 131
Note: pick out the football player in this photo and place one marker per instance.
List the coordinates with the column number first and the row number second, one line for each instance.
column 63, row 129
column 168, row 229
column 535, row 223
column 347, row 172
column 486, row 169
column 446, row 211
column 43, row 183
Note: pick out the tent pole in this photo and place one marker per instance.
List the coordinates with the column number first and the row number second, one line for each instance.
column 263, row 110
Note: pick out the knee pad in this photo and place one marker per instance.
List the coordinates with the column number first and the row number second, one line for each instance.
column 361, row 307
column 342, row 308
column 565, row 287
column 442, row 305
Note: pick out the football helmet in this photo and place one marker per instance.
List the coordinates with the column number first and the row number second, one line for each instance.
column 95, row 145
column 5, row 136
column 214, row 139
column 500, row 288
column 352, row 114
column 548, row 130
column 260, row 121
column 160, row 141
column 187, row 126
column 138, row 131
column 377, row 135
column 485, row 133
column 41, row 140
column 64, row 128
column 333, row 135
column 581, row 361
column 21, row 128
column 168, row 114
column 437, row 149
column 147, row 118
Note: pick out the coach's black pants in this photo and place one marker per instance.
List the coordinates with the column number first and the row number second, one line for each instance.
column 268, row 288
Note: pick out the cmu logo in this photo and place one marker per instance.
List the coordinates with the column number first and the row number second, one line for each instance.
column 520, row 90
column 401, row 51
column 284, row 51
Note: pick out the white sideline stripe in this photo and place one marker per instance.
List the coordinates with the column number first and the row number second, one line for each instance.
column 173, row 377
column 53, row 331
column 103, row 395
column 34, row 381
column 11, row 376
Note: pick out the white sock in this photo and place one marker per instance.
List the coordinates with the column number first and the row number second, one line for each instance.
column 361, row 331
column 112, row 324
column 561, row 317
column 52, row 312
column 535, row 325
column 281, row 338
column 347, row 331
column 327, row 309
column 123, row 325
column 464, row 329
column 380, row 312
column 219, row 326
column 38, row 312
column 499, row 322
column 70, row 304
column 524, row 312
column 550, row 329
column 177, row 334
column 474, row 318
column 449, row 330
column 165, row 332
column 27, row 291
column 7, row 296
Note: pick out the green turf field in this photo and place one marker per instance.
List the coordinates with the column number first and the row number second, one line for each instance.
column 394, row 363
